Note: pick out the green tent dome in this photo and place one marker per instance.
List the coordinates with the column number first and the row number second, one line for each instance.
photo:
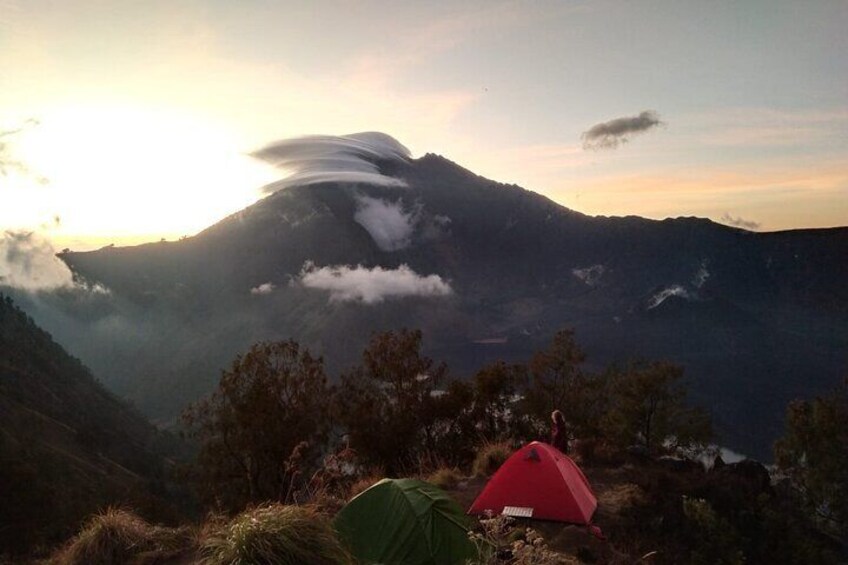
column 405, row 521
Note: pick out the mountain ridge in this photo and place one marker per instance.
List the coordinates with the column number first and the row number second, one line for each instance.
column 67, row 445
column 520, row 265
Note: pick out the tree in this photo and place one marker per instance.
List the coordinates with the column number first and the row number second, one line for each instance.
column 557, row 382
column 388, row 404
column 814, row 454
column 265, row 421
column 496, row 389
column 647, row 407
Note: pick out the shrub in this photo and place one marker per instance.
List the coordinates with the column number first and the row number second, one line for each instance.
column 363, row 484
column 110, row 537
column 445, row 478
column 118, row 536
column 500, row 541
column 490, row 457
column 276, row 534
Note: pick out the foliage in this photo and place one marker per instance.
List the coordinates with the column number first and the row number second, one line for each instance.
column 490, row 457
column 446, row 478
column 388, row 404
column 495, row 412
column 647, row 407
column 814, row 454
column 501, row 542
column 717, row 540
column 262, row 427
column 557, row 382
column 688, row 515
column 275, row 534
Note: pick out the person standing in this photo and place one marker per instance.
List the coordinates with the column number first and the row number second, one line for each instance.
column 559, row 434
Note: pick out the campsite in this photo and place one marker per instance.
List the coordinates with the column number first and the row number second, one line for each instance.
column 457, row 282
column 432, row 471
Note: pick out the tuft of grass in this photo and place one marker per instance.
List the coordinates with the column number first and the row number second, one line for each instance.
column 363, row 484
column 111, row 537
column 445, row 478
column 275, row 534
column 490, row 457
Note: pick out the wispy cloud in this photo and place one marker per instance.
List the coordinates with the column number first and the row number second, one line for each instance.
column 739, row 222
column 264, row 288
column 372, row 286
column 611, row 134
column 766, row 127
column 8, row 162
column 389, row 225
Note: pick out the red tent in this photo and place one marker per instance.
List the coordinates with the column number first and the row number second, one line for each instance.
column 539, row 481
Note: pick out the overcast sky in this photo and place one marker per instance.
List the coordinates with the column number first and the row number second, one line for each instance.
column 146, row 110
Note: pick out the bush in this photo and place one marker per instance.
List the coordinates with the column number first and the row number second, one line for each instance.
column 276, row 534
column 490, row 457
column 500, row 541
column 118, row 536
column 363, row 484
column 445, row 478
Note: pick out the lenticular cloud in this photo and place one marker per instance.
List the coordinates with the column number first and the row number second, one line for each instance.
column 371, row 286
column 351, row 158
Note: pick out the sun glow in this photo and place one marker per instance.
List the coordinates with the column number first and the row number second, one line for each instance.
column 101, row 172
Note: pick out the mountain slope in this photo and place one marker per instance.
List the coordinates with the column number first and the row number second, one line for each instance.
column 67, row 446
column 756, row 318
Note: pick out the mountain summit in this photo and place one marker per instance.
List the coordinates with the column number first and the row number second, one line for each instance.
column 487, row 270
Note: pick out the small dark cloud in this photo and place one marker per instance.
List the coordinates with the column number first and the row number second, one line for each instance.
column 739, row 222
column 611, row 134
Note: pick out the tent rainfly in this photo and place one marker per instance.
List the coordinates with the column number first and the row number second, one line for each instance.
column 405, row 521
column 538, row 481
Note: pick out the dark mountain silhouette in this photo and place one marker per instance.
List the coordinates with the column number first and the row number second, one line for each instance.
column 67, row 446
column 756, row 318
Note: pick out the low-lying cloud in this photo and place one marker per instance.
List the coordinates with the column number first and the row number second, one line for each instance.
column 668, row 292
column 388, row 224
column 264, row 288
column 327, row 158
column 611, row 134
column 28, row 261
column 589, row 275
column 372, row 286
column 739, row 222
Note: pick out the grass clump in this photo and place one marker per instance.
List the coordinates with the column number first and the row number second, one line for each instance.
column 363, row 484
column 275, row 534
column 445, row 478
column 119, row 536
column 490, row 457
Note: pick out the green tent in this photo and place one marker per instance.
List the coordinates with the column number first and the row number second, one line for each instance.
column 405, row 521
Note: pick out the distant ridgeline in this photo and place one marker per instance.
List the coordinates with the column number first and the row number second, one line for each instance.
column 67, row 446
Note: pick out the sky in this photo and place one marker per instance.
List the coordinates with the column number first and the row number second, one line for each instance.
column 131, row 121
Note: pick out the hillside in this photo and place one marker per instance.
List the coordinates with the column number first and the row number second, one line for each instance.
column 67, row 446
column 756, row 318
